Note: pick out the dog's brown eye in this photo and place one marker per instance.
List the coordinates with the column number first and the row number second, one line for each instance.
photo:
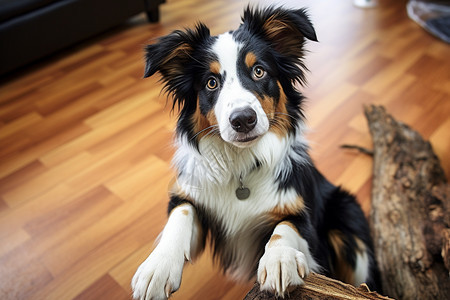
column 212, row 84
column 258, row 72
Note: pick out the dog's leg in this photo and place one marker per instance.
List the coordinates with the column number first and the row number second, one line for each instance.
column 286, row 260
column 160, row 274
column 348, row 241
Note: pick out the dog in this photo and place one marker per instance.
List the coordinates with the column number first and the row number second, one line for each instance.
column 245, row 181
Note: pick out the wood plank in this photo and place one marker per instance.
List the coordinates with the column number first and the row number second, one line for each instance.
column 104, row 288
column 32, row 273
column 13, row 219
column 40, row 184
column 33, row 151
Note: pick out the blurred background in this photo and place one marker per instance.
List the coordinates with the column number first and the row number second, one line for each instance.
column 86, row 143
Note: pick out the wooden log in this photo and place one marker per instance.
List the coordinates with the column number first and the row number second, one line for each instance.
column 318, row 287
column 410, row 215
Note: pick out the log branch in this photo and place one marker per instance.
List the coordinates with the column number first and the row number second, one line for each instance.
column 318, row 287
column 358, row 148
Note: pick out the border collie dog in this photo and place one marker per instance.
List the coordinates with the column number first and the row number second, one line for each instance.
column 245, row 181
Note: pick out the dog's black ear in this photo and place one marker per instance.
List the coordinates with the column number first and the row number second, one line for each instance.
column 172, row 56
column 172, row 51
column 167, row 54
column 285, row 29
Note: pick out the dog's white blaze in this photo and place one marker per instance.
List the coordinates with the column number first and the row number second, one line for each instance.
column 233, row 96
column 227, row 50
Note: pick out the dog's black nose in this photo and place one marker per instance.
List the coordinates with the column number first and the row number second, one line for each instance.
column 243, row 120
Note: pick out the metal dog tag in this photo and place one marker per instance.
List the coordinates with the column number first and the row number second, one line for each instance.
column 242, row 193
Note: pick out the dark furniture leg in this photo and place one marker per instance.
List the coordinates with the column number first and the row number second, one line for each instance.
column 152, row 10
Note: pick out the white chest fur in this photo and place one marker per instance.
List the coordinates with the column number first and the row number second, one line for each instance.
column 210, row 177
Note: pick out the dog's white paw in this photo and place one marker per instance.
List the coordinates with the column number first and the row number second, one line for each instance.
column 281, row 268
column 158, row 276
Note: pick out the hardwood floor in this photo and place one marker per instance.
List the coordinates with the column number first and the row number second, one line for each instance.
column 85, row 142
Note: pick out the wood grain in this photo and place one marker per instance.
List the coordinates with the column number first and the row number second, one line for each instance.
column 85, row 142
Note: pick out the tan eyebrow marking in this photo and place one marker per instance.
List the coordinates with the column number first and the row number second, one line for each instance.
column 250, row 59
column 214, row 67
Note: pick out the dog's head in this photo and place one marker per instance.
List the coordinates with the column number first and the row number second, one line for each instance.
column 238, row 84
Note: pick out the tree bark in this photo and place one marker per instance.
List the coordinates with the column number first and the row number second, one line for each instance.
column 410, row 211
column 318, row 287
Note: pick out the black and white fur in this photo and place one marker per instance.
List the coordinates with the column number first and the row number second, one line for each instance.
column 241, row 123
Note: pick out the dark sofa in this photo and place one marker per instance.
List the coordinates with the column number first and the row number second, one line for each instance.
column 32, row 29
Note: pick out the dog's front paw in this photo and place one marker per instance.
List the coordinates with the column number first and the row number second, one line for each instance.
column 281, row 268
column 158, row 276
